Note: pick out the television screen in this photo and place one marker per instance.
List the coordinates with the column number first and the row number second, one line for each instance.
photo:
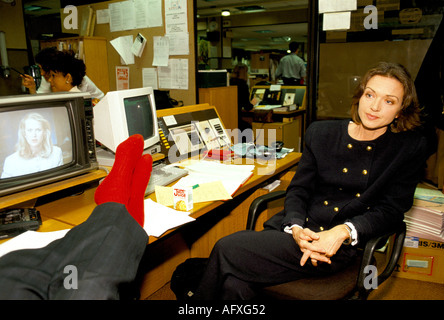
column 139, row 116
column 34, row 140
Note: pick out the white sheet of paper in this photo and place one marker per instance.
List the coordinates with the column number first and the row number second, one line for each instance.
column 232, row 176
column 159, row 219
column 176, row 18
column 161, row 51
column 179, row 43
column 175, row 75
column 337, row 21
column 115, row 17
column 149, row 77
column 154, row 13
column 31, row 240
column 128, row 13
column 123, row 46
column 337, row 5
column 140, row 14
column 102, row 16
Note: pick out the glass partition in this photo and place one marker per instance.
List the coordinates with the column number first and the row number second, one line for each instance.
column 408, row 32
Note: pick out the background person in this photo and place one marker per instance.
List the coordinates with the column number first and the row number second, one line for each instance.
column 66, row 72
column 44, row 60
column 239, row 78
column 291, row 68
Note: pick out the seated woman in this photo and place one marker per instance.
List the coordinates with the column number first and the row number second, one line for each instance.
column 239, row 78
column 44, row 60
column 355, row 181
column 66, row 72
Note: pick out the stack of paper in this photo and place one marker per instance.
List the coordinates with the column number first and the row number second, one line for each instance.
column 232, row 176
column 426, row 218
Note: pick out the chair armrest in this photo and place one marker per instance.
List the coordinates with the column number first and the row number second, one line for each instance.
column 259, row 205
column 369, row 251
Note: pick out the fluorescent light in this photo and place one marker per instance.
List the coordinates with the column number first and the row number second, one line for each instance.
column 225, row 13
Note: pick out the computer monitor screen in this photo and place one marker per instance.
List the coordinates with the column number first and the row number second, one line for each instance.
column 139, row 116
column 295, row 95
column 123, row 113
column 299, row 99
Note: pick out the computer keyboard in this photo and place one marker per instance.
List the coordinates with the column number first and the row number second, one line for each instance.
column 162, row 176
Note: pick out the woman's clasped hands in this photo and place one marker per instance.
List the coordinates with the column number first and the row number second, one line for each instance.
column 319, row 246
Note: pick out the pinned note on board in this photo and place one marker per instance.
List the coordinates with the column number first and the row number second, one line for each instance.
column 123, row 46
column 337, row 21
column 138, row 45
column 337, row 5
column 336, row 13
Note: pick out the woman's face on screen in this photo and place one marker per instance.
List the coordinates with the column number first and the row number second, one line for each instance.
column 33, row 133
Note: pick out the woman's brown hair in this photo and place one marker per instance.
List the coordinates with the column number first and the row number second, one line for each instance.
column 409, row 116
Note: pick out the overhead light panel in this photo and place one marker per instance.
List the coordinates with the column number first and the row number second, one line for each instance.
column 225, row 13
column 34, row 8
column 251, row 9
column 264, row 31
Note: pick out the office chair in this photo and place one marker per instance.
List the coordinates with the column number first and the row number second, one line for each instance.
column 346, row 284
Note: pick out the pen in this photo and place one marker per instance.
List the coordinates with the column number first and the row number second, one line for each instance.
column 16, row 71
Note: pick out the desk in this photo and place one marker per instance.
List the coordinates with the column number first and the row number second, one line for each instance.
column 196, row 239
column 75, row 209
column 69, row 203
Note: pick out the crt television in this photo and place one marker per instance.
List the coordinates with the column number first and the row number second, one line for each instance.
column 123, row 113
column 44, row 138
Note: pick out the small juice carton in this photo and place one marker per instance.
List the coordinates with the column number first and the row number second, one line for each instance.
column 183, row 198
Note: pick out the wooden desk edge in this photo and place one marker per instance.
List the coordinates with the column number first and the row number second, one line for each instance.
column 32, row 194
column 281, row 165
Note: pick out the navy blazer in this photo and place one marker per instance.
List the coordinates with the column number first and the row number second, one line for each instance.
column 339, row 179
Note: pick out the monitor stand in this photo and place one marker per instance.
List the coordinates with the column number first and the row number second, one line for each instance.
column 106, row 157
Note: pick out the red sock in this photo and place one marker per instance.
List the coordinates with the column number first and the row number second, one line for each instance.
column 116, row 185
column 141, row 177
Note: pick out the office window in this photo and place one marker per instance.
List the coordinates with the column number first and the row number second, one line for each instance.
column 409, row 32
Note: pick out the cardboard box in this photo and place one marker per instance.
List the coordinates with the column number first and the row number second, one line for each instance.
column 421, row 259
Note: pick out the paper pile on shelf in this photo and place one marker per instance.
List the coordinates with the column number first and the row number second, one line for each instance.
column 426, row 217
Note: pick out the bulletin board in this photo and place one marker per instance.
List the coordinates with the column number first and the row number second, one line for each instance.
column 145, row 61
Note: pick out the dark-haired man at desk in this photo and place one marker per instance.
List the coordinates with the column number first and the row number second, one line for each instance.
column 291, row 68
